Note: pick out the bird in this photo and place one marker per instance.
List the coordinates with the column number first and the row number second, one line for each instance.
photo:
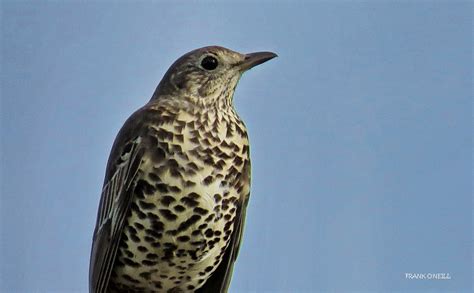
column 177, row 183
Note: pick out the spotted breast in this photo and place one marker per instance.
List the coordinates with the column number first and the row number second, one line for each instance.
column 185, row 199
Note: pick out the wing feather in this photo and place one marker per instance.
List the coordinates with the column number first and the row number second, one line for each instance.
column 113, row 208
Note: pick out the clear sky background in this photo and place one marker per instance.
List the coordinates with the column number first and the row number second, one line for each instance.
column 361, row 135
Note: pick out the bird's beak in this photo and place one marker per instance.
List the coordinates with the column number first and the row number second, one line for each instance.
column 254, row 59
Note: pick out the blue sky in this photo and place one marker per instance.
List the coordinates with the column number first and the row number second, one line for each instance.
column 361, row 135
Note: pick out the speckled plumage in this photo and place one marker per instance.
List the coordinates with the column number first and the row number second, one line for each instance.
column 177, row 184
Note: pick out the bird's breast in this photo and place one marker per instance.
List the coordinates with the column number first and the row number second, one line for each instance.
column 185, row 202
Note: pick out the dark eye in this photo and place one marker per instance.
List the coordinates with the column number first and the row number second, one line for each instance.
column 209, row 63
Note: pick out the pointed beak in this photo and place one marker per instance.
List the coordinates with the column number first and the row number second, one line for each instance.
column 254, row 59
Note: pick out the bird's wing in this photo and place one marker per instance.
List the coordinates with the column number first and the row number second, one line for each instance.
column 220, row 280
column 113, row 208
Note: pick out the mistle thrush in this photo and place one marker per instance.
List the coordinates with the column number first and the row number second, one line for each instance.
column 177, row 183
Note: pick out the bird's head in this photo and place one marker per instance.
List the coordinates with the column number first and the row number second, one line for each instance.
column 207, row 76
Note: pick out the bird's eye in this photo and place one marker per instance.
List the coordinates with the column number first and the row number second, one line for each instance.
column 209, row 63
